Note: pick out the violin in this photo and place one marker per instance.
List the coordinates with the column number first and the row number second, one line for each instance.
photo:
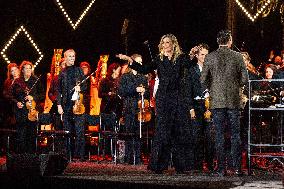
column 33, row 113
column 144, row 115
column 31, row 104
column 252, row 69
column 207, row 113
column 79, row 107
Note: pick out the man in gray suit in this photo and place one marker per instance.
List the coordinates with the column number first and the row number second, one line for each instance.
column 224, row 72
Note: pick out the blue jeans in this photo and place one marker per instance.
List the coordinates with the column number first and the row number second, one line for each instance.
column 232, row 117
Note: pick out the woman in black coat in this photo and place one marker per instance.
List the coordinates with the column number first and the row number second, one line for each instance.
column 173, row 103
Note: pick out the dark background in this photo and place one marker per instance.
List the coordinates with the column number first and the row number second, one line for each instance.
column 100, row 30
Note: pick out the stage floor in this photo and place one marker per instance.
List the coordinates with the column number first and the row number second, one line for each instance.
column 109, row 175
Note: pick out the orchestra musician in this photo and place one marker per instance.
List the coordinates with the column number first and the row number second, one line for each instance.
column 52, row 94
column 131, row 86
column 201, row 128
column 108, row 91
column 86, row 68
column 10, row 103
column 28, row 91
column 68, row 84
column 111, row 103
column 252, row 71
column 13, row 73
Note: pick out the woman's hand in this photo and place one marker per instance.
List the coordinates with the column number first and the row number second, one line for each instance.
column 125, row 57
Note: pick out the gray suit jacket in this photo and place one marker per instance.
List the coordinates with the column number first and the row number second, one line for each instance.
column 224, row 73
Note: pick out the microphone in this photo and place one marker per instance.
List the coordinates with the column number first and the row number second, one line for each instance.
column 149, row 49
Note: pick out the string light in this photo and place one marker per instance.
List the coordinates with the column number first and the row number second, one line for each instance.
column 253, row 17
column 19, row 30
column 76, row 24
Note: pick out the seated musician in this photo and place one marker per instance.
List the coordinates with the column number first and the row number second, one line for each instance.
column 111, row 102
column 266, row 125
column 253, row 73
column 270, row 73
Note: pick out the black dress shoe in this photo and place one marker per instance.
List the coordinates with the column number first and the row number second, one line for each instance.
column 158, row 172
column 180, row 172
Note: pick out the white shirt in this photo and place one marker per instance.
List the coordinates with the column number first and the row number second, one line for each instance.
column 155, row 86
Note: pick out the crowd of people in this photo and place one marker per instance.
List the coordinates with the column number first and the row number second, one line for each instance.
column 178, row 86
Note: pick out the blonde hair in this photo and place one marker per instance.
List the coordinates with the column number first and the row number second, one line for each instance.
column 176, row 48
column 69, row 50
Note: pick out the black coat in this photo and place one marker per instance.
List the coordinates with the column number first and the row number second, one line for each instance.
column 173, row 87
column 197, row 89
column 19, row 88
column 127, row 90
column 110, row 103
column 68, row 79
column 173, row 102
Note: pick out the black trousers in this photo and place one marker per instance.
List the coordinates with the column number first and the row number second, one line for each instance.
column 26, row 132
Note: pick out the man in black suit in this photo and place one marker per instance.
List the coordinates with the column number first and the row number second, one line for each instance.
column 201, row 129
column 224, row 73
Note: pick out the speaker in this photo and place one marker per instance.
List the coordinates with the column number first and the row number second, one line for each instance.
column 19, row 165
column 52, row 164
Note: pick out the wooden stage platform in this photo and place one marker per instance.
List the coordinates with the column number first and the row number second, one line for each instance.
column 108, row 175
